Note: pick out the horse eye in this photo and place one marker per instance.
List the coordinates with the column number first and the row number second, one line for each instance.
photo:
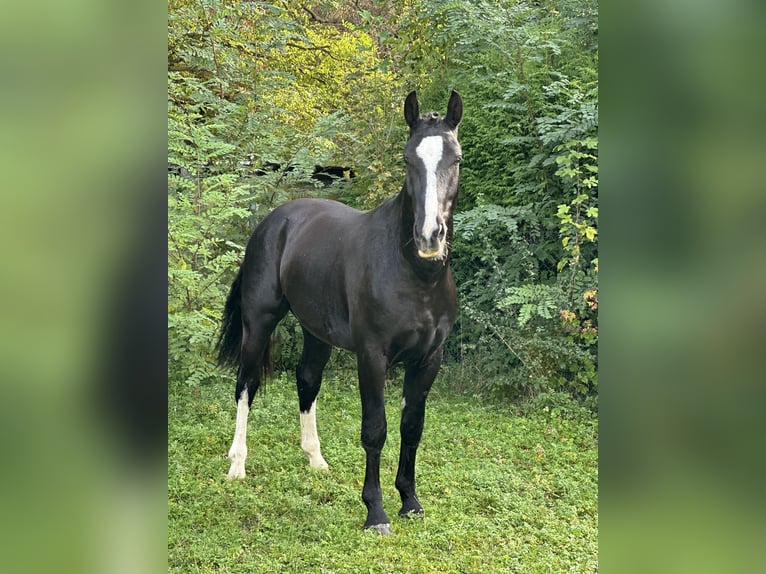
column 458, row 159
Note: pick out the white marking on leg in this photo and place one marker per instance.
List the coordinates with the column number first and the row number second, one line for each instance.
column 404, row 403
column 430, row 152
column 238, row 450
column 310, row 438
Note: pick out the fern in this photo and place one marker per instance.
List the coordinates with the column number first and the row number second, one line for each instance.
column 538, row 300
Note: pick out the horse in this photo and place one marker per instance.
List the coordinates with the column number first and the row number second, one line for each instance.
column 377, row 283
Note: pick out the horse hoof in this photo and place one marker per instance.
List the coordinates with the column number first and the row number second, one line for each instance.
column 411, row 508
column 412, row 513
column 236, row 473
column 319, row 464
column 382, row 529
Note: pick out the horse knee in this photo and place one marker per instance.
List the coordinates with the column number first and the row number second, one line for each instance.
column 411, row 427
column 374, row 435
column 411, row 435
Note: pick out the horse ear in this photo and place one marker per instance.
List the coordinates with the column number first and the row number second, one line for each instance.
column 454, row 110
column 411, row 112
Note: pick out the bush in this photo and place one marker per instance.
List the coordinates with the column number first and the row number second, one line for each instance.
column 521, row 336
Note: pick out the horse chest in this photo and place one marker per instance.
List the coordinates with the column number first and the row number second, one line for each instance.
column 403, row 323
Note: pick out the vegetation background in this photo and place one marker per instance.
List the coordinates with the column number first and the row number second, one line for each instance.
column 263, row 94
column 260, row 93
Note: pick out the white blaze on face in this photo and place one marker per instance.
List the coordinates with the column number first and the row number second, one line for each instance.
column 430, row 152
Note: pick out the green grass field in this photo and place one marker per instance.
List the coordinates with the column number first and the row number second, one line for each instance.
column 502, row 492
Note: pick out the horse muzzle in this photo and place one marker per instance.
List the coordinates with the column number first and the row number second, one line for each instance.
column 433, row 247
column 431, row 255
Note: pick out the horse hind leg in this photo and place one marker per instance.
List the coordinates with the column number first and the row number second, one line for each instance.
column 238, row 450
column 255, row 346
column 315, row 355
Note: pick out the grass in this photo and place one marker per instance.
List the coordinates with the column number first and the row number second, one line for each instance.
column 502, row 492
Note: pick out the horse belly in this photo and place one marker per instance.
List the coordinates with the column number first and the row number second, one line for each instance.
column 317, row 298
column 325, row 319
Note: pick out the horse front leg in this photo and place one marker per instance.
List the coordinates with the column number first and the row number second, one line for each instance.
column 372, row 373
column 418, row 379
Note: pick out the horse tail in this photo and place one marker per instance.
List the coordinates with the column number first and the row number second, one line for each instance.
column 229, row 345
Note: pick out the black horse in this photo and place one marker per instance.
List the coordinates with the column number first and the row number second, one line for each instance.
column 377, row 283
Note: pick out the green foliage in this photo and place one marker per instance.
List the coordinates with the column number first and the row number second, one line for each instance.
column 539, row 300
column 202, row 212
column 306, row 83
column 529, row 335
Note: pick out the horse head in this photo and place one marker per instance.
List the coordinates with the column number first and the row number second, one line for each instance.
column 432, row 156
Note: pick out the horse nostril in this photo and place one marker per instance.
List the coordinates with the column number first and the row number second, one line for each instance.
column 436, row 235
